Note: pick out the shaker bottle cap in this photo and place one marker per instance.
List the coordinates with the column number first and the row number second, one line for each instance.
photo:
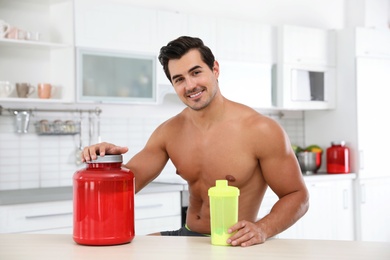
column 222, row 189
column 107, row 159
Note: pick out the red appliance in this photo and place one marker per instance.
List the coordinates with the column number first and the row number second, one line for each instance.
column 338, row 158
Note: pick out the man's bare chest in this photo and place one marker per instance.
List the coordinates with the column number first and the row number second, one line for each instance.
column 213, row 157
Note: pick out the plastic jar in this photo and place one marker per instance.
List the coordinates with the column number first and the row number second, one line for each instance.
column 103, row 203
column 338, row 158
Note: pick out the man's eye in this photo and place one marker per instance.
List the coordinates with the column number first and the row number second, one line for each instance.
column 178, row 80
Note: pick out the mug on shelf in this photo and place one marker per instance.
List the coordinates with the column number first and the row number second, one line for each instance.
column 4, row 28
column 45, row 90
column 5, row 89
column 24, row 90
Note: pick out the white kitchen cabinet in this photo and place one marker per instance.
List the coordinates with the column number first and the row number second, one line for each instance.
column 304, row 45
column 43, row 217
column 115, row 26
column 205, row 28
column 155, row 212
column 372, row 42
column 245, row 41
column 372, row 81
column 49, row 59
column 246, row 82
column 374, row 209
column 170, row 25
column 330, row 214
column 305, row 71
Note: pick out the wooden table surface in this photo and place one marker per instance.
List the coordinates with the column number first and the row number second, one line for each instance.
column 56, row 247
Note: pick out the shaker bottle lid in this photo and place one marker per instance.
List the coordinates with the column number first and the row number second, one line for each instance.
column 222, row 189
column 108, row 159
column 342, row 143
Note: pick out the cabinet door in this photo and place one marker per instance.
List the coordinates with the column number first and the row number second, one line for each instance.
column 248, row 83
column 45, row 217
column 109, row 25
column 304, row 45
column 330, row 214
column 205, row 28
column 373, row 80
column 375, row 210
column 170, row 25
column 371, row 42
column 244, row 41
column 155, row 212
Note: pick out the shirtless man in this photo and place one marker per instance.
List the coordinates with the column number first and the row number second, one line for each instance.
column 214, row 138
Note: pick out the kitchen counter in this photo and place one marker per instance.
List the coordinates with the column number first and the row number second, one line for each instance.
column 8, row 197
column 34, row 246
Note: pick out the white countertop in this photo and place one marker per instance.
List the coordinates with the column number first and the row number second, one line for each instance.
column 8, row 197
column 34, row 246
column 22, row 196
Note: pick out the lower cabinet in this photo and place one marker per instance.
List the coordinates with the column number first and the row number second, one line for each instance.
column 44, row 217
column 154, row 212
column 374, row 209
column 330, row 216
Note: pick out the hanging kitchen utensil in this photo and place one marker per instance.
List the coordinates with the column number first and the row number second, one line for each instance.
column 90, row 128
column 79, row 149
column 98, row 128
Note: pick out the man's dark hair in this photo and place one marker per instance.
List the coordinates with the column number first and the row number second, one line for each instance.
column 177, row 48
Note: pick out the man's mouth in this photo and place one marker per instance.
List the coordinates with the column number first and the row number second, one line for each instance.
column 196, row 94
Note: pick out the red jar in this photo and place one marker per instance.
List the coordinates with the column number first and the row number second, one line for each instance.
column 103, row 203
column 337, row 158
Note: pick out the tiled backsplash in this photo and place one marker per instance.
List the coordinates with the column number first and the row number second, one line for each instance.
column 36, row 161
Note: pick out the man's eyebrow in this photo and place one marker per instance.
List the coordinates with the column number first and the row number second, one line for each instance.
column 192, row 69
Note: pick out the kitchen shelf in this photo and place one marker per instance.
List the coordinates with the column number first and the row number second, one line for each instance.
column 57, row 128
column 32, row 44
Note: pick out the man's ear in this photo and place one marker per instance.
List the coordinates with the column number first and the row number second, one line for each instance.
column 216, row 69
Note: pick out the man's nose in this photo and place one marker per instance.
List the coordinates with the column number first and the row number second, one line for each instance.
column 191, row 83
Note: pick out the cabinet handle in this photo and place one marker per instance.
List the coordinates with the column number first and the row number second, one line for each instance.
column 362, row 194
column 49, row 215
column 345, row 199
column 149, row 206
column 361, row 160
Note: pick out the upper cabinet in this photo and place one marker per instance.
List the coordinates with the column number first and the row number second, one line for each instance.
column 245, row 51
column 245, row 41
column 38, row 48
column 371, row 42
column 306, row 46
column 115, row 26
column 305, row 75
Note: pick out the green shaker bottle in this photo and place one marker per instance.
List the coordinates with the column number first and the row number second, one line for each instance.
column 223, row 211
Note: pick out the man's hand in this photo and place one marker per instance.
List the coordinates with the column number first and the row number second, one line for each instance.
column 247, row 234
column 90, row 152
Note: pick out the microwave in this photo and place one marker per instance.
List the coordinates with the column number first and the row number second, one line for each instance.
column 304, row 87
column 115, row 77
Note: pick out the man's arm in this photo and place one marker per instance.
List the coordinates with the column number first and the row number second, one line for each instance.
column 282, row 173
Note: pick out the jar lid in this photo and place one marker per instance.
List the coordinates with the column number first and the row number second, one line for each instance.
column 342, row 143
column 108, row 159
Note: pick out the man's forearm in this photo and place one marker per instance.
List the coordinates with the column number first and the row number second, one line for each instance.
column 286, row 211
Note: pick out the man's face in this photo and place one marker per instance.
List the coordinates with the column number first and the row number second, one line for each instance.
column 194, row 82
